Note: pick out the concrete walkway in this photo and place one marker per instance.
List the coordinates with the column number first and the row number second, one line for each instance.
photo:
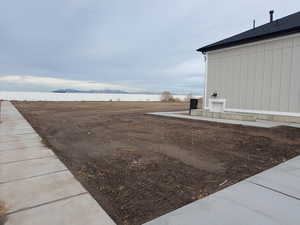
column 258, row 123
column 35, row 186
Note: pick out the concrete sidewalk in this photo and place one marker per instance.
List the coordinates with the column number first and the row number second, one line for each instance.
column 35, row 186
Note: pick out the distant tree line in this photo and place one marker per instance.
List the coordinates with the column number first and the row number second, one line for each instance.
column 167, row 96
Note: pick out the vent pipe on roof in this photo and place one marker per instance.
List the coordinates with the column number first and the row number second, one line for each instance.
column 253, row 24
column 271, row 15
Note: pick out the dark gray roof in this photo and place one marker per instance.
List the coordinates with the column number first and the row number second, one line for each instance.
column 284, row 26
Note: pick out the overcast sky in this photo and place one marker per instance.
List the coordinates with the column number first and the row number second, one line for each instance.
column 116, row 44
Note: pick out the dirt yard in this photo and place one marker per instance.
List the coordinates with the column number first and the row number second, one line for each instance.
column 3, row 211
column 139, row 166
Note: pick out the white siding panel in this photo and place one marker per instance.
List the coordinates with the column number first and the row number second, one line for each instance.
column 295, row 81
column 285, row 79
column 235, row 79
column 276, row 80
column 222, row 75
column 229, row 79
column 263, row 76
column 259, row 81
column 251, row 78
column 243, row 82
column 268, row 69
column 210, row 80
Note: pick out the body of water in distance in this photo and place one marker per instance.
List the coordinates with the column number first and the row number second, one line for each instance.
column 50, row 96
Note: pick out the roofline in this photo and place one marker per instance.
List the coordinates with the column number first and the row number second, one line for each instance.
column 249, row 40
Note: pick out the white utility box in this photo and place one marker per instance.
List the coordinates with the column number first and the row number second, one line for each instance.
column 217, row 104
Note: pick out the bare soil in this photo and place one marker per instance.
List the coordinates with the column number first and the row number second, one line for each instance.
column 3, row 211
column 139, row 166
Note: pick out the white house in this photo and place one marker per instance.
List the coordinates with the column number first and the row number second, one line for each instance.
column 257, row 71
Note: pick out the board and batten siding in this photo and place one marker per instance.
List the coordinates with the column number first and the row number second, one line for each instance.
column 262, row 76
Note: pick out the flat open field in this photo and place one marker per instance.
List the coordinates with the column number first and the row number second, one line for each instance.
column 139, row 167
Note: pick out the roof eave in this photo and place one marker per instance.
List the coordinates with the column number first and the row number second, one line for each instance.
column 250, row 40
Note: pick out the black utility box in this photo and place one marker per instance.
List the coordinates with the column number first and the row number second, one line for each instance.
column 193, row 104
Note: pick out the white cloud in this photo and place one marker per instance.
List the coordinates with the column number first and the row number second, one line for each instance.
column 189, row 67
column 58, row 83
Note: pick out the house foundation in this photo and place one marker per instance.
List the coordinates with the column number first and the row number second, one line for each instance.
column 245, row 116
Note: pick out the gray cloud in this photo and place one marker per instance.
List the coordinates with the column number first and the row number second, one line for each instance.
column 135, row 44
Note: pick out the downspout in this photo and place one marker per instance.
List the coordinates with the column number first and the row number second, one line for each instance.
column 205, row 81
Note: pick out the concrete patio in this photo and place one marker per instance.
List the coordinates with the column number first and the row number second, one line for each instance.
column 35, row 186
column 258, row 123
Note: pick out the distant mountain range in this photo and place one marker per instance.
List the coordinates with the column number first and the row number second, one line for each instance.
column 105, row 91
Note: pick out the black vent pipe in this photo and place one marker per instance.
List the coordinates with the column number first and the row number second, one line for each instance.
column 271, row 15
